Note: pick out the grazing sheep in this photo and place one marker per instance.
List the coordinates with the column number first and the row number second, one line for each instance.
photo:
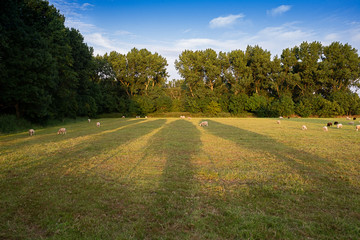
column 123, row 116
column 304, row 127
column 347, row 118
column 204, row 124
column 98, row 124
column 329, row 124
column 182, row 117
column 89, row 120
column 336, row 123
column 357, row 127
column 354, row 118
column 351, row 123
column 278, row 122
column 62, row 131
column 31, row 132
column 281, row 117
column 137, row 116
column 145, row 116
column 339, row 125
column 325, row 128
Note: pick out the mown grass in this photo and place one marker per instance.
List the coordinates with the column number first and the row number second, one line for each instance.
column 171, row 179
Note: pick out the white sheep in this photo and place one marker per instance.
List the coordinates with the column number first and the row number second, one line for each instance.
column 347, row 118
column 89, row 120
column 145, row 116
column 31, row 132
column 278, row 122
column 204, row 124
column 325, row 128
column 62, row 131
column 182, row 117
column 123, row 116
column 137, row 116
column 339, row 125
column 304, row 127
column 357, row 127
column 281, row 117
column 98, row 124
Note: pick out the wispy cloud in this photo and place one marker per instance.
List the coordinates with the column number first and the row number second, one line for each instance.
column 86, row 6
column 279, row 10
column 227, row 21
column 77, row 24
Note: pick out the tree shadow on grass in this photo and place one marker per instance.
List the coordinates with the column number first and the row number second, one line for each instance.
column 40, row 190
column 170, row 206
column 328, row 200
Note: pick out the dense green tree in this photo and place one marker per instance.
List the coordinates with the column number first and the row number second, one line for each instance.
column 259, row 62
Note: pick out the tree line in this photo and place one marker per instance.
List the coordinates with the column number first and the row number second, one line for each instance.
column 48, row 72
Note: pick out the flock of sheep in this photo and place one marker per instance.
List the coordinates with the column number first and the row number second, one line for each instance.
column 61, row 130
column 329, row 124
column 206, row 124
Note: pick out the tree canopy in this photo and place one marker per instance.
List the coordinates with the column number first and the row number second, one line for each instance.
column 47, row 72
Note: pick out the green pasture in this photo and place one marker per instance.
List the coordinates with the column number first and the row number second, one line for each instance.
column 170, row 178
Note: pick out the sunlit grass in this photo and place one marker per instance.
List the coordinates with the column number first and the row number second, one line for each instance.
column 172, row 179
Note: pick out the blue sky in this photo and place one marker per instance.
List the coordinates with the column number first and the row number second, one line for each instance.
column 170, row 27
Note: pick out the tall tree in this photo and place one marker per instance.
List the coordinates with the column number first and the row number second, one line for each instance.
column 259, row 62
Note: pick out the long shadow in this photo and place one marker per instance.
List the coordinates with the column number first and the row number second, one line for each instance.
column 79, row 142
column 257, row 142
column 327, row 197
column 173, row 202
column 41, row 183
column 50, row 134
column 45, row 164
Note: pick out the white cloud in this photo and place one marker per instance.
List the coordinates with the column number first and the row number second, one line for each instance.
column 82, row 26
column 99, row 40
column 279, row 10
column 86, row 6
column 225, row 21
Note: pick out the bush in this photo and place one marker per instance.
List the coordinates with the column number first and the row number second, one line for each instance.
column 238, row 103
column 282, row 107
column 304, row 108
column 213, row 108
column 9, row 123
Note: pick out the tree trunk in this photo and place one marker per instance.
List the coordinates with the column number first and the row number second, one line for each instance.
column 17, row 109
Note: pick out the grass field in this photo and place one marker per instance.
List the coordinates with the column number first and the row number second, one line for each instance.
column 171, row 179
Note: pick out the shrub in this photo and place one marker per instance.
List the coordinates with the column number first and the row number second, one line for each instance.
column 9, row 123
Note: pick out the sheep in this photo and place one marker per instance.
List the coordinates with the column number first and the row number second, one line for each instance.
column 123, row 116
column 137, row 116
column 325, row 128
column 354, row 118
column 329, row 124
column 347, row 118
column 189, row 118
column 204, row 124
column 304, row 127
column 62, row 131
column 339, row 125
column 357, row 127
column 278, row 122
column 98, row 124
column 336, row 123
column 182, row 117
column 281, row 117
column 31, row 132
column 351, row 123
column 145, row 116
column 89, row 120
